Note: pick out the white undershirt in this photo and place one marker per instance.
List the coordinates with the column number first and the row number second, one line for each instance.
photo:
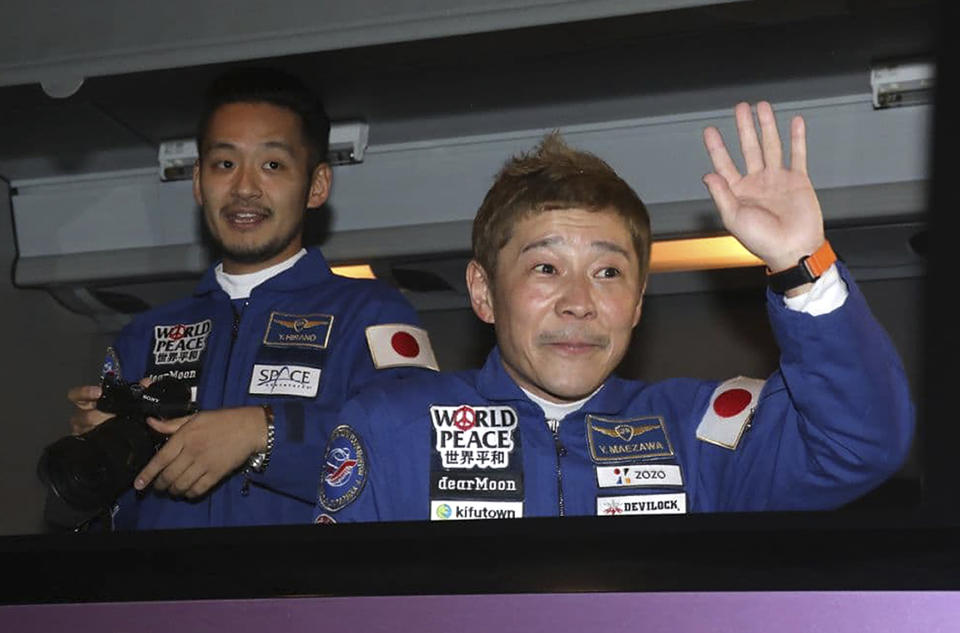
column 554, row 412
column 240, row 286
column 827, row 294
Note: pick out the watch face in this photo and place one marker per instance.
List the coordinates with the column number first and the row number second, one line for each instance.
column 256, row 461
column 790, row 278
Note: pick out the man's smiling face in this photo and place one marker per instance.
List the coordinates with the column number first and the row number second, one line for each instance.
column 254, row 183
column 565, row 297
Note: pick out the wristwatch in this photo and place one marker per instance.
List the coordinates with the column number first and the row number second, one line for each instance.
column 258, row 461
column 807, row 270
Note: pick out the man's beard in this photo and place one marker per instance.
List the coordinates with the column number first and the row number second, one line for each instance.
column 258, row 253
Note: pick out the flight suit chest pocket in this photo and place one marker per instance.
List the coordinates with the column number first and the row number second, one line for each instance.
column 292, row 355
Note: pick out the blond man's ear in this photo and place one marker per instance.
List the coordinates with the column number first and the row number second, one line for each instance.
column 481, row 291
column 639, row 309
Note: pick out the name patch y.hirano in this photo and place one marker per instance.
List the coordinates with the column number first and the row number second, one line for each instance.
column 468, row 436
column 310, row 331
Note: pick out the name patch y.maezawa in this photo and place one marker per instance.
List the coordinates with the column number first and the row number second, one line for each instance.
column 612, row 440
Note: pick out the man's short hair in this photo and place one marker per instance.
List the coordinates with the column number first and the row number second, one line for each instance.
column 554, row 176
column 265, row 85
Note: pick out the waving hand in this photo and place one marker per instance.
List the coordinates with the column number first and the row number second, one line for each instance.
column 772, row 210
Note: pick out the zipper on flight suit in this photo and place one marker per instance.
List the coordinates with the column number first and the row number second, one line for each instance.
column 234, row 334
column 554, row 426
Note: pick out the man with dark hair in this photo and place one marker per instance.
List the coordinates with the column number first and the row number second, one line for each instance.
column 561, row 251
column 262, row 85
column 271, row 342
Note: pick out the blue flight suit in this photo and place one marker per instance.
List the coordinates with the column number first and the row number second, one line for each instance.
column 297, row 343
column 831, row 423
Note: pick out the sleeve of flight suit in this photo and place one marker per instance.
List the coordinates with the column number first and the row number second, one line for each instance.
column 301, row 429
column 373, row 467
column 130, row 348
column 832, row 423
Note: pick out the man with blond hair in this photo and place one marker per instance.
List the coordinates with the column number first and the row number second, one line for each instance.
column 561, row 253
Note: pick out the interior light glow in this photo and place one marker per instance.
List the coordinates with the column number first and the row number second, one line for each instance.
column 700, row 254
column 360, row 271
column 703, row 253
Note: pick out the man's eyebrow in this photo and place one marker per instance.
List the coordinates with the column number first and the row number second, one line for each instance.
column 220, row 145
column 603, row 245
column 612, row 247
column 281, row 145
column 544, row 243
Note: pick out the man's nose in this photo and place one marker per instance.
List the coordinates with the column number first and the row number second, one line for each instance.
column 246, row 184
column 576, row 299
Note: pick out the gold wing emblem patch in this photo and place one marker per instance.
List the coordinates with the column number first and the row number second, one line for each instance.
column 299, row 325
column 625, row 432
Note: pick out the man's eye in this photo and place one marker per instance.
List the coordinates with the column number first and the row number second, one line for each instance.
column 608, row 273
column 271, row 165
column 223, row 164
column 546, row 269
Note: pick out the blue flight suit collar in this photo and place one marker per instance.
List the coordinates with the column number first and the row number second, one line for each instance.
column 310, row 269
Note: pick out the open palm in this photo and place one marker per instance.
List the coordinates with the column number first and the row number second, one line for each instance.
column 772, row 210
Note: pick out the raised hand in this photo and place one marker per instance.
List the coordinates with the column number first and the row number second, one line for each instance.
column 772, row 210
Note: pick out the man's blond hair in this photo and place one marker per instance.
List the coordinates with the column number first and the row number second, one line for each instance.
column 555, row 176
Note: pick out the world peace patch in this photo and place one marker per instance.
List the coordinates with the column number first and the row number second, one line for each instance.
column 345, row 469
column 612, row 440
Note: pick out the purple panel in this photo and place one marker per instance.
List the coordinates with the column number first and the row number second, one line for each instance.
column 740, row 612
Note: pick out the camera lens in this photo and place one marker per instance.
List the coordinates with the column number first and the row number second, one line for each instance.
column 76, row 471
column 90, row 471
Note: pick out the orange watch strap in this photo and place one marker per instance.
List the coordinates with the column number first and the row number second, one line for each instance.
column 821, row 260
column 807, row 270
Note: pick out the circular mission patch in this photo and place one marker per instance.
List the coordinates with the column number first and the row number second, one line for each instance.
column 345, row 469
column 111, row 364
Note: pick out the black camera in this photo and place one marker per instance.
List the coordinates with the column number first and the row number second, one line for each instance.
column 89, row 471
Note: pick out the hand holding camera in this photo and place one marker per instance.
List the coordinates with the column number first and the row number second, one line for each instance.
column 89, row 471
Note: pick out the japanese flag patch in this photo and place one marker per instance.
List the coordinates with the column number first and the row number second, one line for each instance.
column 400, row 345
column 729, row 412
